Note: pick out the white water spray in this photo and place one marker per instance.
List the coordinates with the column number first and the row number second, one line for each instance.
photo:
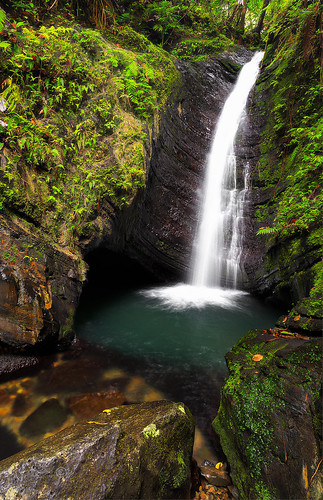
column 218, row 245
column 217, row 249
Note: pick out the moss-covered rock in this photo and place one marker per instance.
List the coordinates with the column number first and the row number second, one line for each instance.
column 287, row 181
column 137, row 451
column 76, row 119
column 269, row 421
column 305, row 317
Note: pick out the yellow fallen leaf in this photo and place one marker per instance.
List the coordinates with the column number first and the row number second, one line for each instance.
column 285, row 319
column 297, row 318
column 219, row 465
column 257, row 357
column 97, row 423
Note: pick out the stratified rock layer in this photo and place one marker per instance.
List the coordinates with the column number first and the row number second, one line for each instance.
column 136, row 451
column 163, row 235
column 270, row 417
column 40, row 286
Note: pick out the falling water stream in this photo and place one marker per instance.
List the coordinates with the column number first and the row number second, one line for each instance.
column 217, row 249
column 172, row 338
column 218, row 243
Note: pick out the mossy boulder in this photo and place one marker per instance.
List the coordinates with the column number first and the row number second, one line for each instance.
column 269, row 421
column 136, row 451
column 305, row 317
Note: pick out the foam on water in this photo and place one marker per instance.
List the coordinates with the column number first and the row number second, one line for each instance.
column 182, row 296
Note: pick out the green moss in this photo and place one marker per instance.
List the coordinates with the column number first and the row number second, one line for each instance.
column 67, row 328
column 77, row 113
column 181, row 476
column 317, row 290
column 200, row 49
column 151, row 431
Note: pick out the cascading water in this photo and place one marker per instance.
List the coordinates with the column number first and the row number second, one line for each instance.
column 218, row 244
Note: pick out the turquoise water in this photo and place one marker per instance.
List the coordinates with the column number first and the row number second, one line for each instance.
column 172, row 338
column 140, row 324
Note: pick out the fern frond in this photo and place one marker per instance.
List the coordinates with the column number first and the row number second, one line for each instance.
column 267, row 230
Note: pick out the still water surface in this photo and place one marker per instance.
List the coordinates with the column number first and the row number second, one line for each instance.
column 176, row 341
column 164, row 332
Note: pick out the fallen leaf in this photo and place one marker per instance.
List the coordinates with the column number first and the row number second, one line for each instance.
column 219, row 465
column 297, row 318
column 97, row 423
column 257, row 357
column 285, row 319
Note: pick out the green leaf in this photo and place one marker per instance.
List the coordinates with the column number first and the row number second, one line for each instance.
column 267, row 230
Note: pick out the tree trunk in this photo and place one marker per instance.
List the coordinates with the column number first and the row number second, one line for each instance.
column 242, row 17
column 262, row 17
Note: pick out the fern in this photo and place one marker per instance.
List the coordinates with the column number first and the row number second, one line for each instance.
column 267, row 230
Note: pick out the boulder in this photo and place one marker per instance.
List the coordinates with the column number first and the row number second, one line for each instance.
column 135, row 451
column 87, row 405
column 305, row 317
column 270, row 417
column 49, row 416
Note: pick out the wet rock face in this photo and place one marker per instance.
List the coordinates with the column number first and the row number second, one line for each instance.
column 39, row 288
column 270, row 420
column 165, row 225
column 136, row 451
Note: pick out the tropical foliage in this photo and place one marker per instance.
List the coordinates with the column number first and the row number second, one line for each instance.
column 74, row 108
column 80, row 80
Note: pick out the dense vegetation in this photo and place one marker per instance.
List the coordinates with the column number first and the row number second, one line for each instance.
column 81, row 81
column 291, row 147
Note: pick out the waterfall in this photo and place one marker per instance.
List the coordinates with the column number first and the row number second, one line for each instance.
column 218, row 243
column 217, row 249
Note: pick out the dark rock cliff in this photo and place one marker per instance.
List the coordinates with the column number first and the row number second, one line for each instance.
column 40, row 284
column 163, row 235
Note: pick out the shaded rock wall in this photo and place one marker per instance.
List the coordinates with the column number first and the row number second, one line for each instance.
column 136, row 451
column 164, row 231
column 39, row 288
column 284, row 265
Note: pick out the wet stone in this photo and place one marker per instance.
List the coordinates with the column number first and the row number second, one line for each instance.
column 8, row 443
column 4, row 398
column 88, row 405
column 19, row 406
column 14, row 365
column 75, row 375
column 121, row 453
column 215, row 476
column 46, row 418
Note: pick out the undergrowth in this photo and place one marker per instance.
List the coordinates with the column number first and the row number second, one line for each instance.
column 74, row 114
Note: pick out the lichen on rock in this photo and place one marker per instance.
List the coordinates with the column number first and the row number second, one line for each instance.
column 135, row 451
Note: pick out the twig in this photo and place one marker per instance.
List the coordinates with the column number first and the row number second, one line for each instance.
column 317, row 468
